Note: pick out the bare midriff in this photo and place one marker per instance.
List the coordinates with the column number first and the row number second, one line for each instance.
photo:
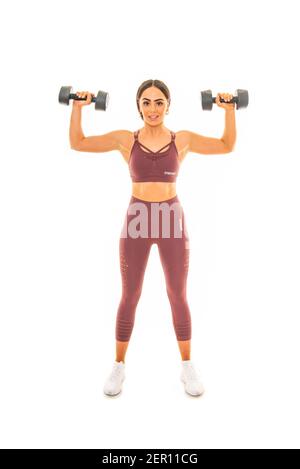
column 154, row 191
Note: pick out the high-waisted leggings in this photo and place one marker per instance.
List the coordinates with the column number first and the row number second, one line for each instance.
column 147, row 223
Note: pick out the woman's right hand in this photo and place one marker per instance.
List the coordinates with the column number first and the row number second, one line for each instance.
column 83, row 94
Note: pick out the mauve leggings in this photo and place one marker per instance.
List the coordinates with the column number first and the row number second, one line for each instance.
column 134, row 247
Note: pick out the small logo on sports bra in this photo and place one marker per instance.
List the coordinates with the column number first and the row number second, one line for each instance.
column 169, row 172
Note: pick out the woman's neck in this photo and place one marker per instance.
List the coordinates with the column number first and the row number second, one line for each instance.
column 154, row 131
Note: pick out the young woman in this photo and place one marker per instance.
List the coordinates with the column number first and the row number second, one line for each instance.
column 154, row 155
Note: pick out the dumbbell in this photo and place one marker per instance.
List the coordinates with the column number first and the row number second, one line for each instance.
column 101, row 100
column 241, row 98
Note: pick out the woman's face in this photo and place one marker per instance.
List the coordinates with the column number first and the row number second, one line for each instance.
column 153, row 105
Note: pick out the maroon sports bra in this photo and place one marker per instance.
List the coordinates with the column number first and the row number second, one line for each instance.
column 154, row 166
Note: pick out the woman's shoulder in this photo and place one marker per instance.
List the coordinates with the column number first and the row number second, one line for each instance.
column 182, row 137
column 124, row 138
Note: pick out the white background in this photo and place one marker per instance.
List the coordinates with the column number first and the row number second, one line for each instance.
column 62, row 212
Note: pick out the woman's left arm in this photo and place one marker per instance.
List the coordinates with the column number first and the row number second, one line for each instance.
column 229, row 135
column 193, row 142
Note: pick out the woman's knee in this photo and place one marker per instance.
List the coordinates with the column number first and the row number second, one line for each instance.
column 177, row 294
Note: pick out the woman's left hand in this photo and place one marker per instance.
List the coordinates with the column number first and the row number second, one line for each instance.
column 226, row 97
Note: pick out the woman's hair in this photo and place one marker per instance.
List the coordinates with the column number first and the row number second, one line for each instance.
column 146, row 84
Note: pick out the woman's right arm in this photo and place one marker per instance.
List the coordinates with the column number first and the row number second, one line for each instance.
column 99, row 143
column 75, row 133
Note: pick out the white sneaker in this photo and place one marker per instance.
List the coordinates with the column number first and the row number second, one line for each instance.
column 113, row 385
column 189, row 376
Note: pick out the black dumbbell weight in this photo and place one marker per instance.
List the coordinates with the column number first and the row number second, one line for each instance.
column 101, row 100
column 241, row 98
